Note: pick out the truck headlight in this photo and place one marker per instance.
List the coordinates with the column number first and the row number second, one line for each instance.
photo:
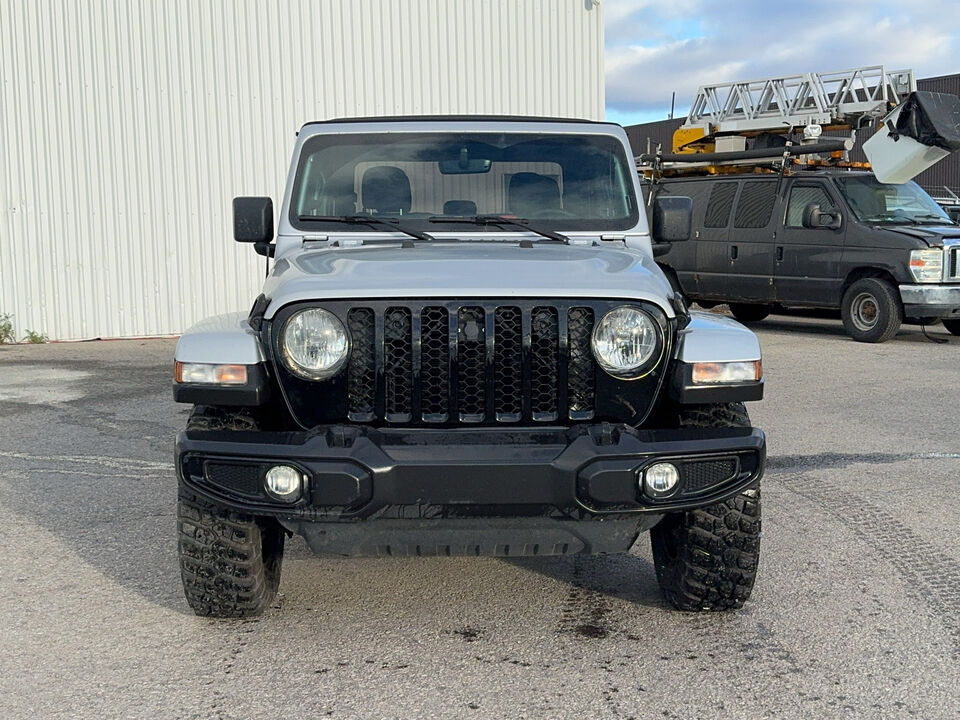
column 926, row 265
column 627, row 342
column 314, row 344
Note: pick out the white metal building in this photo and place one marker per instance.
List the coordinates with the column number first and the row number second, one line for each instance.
column 127, row 126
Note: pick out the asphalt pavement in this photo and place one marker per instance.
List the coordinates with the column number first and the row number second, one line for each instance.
column 856, row 613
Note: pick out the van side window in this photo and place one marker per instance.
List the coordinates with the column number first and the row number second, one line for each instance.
column 720, row 205
column 756, row 204
column 800, row 197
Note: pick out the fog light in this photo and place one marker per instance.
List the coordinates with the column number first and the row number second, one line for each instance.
column 660, row 479
column 284, row 482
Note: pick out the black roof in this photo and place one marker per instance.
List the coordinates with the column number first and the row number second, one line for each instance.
column 456, row 118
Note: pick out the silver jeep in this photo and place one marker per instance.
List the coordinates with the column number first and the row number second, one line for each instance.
column 465, row 347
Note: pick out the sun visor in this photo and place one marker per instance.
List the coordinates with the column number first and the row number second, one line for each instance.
column 918, row 133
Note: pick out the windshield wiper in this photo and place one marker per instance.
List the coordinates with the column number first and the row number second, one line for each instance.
column 502, row 221
column 370, row 220
column 931, row 216
column 891, row 218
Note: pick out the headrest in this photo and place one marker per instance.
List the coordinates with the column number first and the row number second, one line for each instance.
column 385, row 189
column 531, row 192
column 460, row 207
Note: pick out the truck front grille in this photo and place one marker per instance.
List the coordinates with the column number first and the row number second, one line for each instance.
column 953, row 262
column 451, row 363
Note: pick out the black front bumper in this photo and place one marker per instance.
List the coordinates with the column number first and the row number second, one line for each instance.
column 476, row 491
column 356, row 473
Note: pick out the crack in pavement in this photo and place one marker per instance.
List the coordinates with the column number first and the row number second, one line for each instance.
column 106, row 461
column 839, row 460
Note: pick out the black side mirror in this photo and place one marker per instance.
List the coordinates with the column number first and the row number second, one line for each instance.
column 253, row 220
column 814, row 217
column 672, row 218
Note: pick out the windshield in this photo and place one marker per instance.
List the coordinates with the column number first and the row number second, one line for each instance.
column 874, row 201
column 572, row 182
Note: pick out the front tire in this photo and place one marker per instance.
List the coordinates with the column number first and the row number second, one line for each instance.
column 952, row 326
column 706, row 559
column 871, row 310
column 230, row 562
column 747, row 313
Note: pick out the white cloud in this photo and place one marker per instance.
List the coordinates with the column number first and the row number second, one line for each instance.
column 655, row 48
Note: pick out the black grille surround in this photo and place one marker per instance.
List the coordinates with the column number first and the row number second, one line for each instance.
column 476, row 362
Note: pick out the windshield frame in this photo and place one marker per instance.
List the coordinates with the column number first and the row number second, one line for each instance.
column 931, row 207
column 632, row 222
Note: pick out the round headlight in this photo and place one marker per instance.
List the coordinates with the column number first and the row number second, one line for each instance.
column 626, row 342
column 314, row 344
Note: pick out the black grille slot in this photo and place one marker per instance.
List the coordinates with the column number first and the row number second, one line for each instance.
column 244, row 479
column 580, row 367
column 471, row 360
column 398, row 365
column 361, row 370
column 544, row 352
column 508, row 364
column 435, row 364
column 955, row 264
column 700, row 476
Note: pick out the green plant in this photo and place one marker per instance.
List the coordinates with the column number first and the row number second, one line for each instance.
column 35, row 337
column 6, row 329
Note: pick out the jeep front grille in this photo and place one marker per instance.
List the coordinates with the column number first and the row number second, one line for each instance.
column 451, row 363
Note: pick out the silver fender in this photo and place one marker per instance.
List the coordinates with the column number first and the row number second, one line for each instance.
column 221, row 340
column 709, row 337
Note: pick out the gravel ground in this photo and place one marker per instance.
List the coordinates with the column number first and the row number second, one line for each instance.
column 856, row 612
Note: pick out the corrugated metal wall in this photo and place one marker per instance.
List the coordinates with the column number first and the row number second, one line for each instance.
column 126, row 127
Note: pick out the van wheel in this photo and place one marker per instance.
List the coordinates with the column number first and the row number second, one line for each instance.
column 952, row 326
column 871, row 310
column 749, row 313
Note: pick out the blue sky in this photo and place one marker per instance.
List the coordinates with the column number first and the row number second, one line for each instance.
column 655, row 47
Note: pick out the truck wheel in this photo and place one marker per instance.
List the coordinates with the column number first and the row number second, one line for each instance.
column 871, row 310
column 229, row 562
column 952, row 326
column 706, row 559
column 746, row 313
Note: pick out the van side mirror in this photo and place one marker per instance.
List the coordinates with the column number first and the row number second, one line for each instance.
column 814, row 217
column 672, row 218
column 253, row 220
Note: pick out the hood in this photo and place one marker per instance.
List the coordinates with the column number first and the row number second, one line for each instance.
column 467, row 270
column 930, row 234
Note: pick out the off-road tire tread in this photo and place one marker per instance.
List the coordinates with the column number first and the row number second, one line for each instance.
column 229, row 562
column 706, row 559
column 891, row 310
column 207, row 417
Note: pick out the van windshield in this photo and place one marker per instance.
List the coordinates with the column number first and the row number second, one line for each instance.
column 560, row 181
column 874, row 201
